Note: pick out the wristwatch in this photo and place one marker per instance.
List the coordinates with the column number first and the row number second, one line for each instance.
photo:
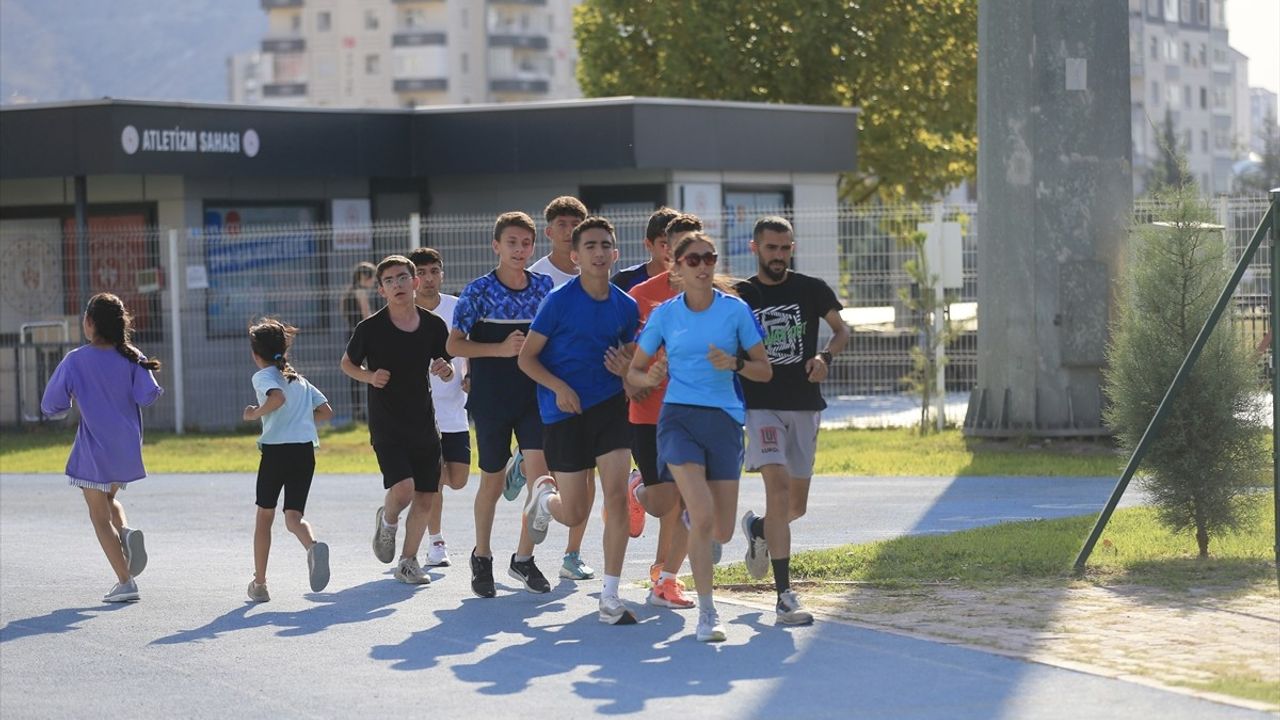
column 826, row 357
column 741, row 364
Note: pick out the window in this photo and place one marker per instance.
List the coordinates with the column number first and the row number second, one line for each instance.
column 1204, row 56
column 1173, row 94
column 1186, row 53
column 372, row 64
column 1155, row 48
column 1204, row 141
column 1204, row 98
column 1186, row 96
column 295, row 23
column 370, row 20
column 464, row 63
column 323, row 21
column 1155, row 93
column 1186, row 141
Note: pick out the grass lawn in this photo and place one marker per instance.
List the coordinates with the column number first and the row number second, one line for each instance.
column 1135, row 548
column 840, row 452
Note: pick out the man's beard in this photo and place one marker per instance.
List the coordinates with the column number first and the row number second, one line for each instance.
column 775, row 275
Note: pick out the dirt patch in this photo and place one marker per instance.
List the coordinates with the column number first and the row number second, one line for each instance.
column 1202, row 638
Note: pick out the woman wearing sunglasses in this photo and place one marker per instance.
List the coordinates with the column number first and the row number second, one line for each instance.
column 706, row 334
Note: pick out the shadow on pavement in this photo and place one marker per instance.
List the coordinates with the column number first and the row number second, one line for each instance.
column 54, row 623
column 360, row 603
column 656, row 658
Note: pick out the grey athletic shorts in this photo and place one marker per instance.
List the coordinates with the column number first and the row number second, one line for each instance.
column 783, row 437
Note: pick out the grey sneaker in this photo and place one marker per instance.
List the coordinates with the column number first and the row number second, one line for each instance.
column 536, row 518
column 709, row 627
column 122, row 592
column 757, row 558
column 790, row 611
column 258, row 593
column 135, row 551
column 515, row 480
column 384, row 540
column 410, row 573
column 318, row 566
column 614, row 612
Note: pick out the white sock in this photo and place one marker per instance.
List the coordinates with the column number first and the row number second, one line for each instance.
column 522, row 558
column 438, row 537
column 706, row 604
column 610, row 586
column 390, row 526
column 542, row 502
column 664, row 576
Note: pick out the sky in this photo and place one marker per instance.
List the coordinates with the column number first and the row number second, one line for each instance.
column 1253, row 27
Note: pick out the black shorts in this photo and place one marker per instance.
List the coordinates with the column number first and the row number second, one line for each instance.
column 644, row 450
column 456, row 447
column 574, row 443
column 288, row 467
column 400, row 460
column 494, row 429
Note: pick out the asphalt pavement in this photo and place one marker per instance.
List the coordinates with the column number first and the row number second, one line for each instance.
column 195, row 647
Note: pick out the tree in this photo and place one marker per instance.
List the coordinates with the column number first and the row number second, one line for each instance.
column 1167, row 172
column 921, row 299
column 909, row 65
column 1263, row 178
column 1206, row 454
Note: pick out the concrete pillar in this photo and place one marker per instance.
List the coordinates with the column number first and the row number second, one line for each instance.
column 1055, row 199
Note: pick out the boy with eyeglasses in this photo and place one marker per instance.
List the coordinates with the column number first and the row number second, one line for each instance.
column 395, row 351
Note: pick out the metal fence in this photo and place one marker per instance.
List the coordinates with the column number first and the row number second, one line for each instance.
column 219, row 280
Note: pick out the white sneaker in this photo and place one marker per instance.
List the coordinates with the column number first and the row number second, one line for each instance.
column 614, row 612
column 790, row 611
column 122, row 592
column 135, row 551
column 384, row 539
column 536, row 518
column 438, row 554
column 757, row 558
column 709, row 627
column 410, row 573
column 258, row 593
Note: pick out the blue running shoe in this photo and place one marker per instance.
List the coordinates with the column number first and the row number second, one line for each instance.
column 515, row 477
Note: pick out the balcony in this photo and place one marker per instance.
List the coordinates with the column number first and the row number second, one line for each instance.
column 418, row 37
column 513, row 85
column 523, row 41
column 292, row 44
column 272, row 4
column 409, row 85
column 284, row 89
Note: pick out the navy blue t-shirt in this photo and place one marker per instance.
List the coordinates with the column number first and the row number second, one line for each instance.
column 487, row 312
column 628, row 278
column 579, row 329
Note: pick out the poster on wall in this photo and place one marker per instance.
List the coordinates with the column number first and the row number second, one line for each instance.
column 123, row 253
column 262, row 261
column 31, row 274
column 703, row 200
column 352, row 224
column 741, row 209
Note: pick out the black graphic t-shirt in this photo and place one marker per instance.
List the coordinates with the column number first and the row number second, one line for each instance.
column 789, row 313
column 401, row 411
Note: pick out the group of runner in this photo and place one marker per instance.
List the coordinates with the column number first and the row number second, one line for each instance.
column 661, row 365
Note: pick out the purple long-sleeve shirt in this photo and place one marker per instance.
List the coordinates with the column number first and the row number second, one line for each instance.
column 110, row 392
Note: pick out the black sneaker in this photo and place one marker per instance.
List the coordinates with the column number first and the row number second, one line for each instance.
column 528, row 574
column 482, row 576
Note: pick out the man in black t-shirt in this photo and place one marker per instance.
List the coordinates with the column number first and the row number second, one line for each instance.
column 783, row 414
column 394, row 351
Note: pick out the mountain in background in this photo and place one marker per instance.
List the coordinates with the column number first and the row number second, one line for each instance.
column 52, row 50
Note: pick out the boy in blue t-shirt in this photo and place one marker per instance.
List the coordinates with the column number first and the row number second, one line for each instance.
column 489, row 323
column 582, row 403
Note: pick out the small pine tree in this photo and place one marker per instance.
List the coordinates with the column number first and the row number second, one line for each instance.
column 1206, row 454
column 922, row 380
column 1168, row 171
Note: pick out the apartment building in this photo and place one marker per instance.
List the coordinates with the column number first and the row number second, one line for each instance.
column 1182, row 66
column 407, row 53
column 1262, row 110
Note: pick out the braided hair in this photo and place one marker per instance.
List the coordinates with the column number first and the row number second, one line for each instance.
column 112, row 323
column 270, row 340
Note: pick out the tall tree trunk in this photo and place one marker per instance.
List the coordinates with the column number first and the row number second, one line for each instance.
column 1202, row 539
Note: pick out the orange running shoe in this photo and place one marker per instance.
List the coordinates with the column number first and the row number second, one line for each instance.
column 635, row 510
column 669, row 594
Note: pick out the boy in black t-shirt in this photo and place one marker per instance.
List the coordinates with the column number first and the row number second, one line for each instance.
column 783, row 414
column 394, row 351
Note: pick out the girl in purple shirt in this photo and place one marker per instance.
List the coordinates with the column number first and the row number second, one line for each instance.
column 110, row 382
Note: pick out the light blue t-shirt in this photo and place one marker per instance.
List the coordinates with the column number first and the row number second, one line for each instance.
column 292, row 422
column 579, row 329
column 687, row 335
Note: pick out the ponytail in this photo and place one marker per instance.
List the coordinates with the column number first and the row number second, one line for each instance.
column 112, row 323
column 270, row 340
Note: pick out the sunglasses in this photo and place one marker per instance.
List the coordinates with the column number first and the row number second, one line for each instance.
column 693, row 260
